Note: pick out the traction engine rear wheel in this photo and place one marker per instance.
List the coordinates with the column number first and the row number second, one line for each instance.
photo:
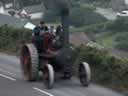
column 29, row 62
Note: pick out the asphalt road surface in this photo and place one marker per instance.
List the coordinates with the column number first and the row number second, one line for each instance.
column 12, row 84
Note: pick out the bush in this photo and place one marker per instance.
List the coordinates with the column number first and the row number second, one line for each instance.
column 106, row 69
column 11, row 38
column 98, row 28
column 94, row 28
column 121, row 40
column 119, row 25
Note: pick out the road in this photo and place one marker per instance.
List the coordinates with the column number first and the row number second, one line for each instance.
column 12, row 84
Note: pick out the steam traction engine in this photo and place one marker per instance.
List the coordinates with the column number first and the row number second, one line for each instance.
column 56, row 61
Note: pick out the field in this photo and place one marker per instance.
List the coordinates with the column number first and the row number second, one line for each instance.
column 107, row 40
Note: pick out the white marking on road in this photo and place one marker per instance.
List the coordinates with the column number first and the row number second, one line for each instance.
column 42, row 91
column 7, row 77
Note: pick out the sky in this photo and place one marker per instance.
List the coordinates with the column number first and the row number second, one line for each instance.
column 126, row 1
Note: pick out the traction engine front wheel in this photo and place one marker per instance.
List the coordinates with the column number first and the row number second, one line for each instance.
column 49, row 76
column 84, row 74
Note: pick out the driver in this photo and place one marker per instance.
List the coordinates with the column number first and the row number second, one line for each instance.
column 42, row 38
column 39, row 28
column 37, row 35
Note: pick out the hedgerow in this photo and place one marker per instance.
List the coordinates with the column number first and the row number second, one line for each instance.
column 106, row 69
column 12, row 38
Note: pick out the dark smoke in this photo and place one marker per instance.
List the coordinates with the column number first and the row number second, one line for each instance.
column 62, row 6
column 57, row 4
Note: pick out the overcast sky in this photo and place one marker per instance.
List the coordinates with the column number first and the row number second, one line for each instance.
column 126, row 1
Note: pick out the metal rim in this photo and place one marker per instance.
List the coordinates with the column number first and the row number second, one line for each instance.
column 84, row 74
column 49, row 76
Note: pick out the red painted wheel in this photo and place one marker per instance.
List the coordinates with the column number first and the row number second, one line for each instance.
column 25, row 63
column 29, row 62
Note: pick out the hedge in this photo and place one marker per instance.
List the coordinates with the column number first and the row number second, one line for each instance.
column 11, row 38
column 106, row 69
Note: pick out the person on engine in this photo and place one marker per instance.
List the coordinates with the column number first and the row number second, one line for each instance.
column 39, row 29
column 37, row 35
column 43, row 39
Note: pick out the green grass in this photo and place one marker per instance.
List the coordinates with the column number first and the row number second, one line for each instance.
column 109, row 40
column 93, row 28
column 106, row 41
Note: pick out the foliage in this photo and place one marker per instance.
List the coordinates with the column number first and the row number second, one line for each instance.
column 116, row 33
column 106, row 69
column 119, row 25
column 11, row 38
column 121, row 40
column 119, row 30
column 94, row 28
column 106, row 41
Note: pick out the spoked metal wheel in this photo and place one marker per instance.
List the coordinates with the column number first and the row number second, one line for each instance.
column 29, row 62
column 49, row 76
column 84, row 74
